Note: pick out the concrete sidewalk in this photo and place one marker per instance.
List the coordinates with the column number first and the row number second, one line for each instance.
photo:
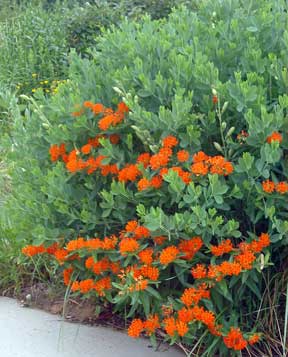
column 26, row 332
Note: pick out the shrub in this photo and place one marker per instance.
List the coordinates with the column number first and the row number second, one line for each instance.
column 171, row 208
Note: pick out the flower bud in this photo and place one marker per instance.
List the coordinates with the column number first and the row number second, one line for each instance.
column 214, row 91
column 218, row 146
column 225, row 106
column 230, row 131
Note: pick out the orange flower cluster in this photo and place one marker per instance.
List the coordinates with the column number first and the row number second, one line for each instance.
column 160, row 159
column 101, row 266
column 190, row 247
column 31, row 250
column 155, row 182
column 152, row 273
column 107, row 243
column 192, row 296
column 168, row 255
column 183, row 156
column 269, row 187
column 134, row 230
column 199, row 272
column 242, row 261
column 141, row 284
column 57, row 152
column 145, row 256
column 110, row 118
column 67, row 275
column 235, row 339
column 203, row 164
column 184, row 175
column 129, row 173
column 169, row 141
column 275, row 136
column 128, row 245
column 138, row 326
column 87, row 285
column 224, row 247
column 135, row 328
column 171, row 326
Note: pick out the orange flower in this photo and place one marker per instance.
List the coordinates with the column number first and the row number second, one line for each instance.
column 129, row 173
column 86, row 149
column 170, row 141
column 199, row 272
column 31, row 250
column 220, row 166
column 282, row 187
column 142, row 232
column 156, row 181
column 77, row 113
column 128, row 245
column 143, row 184
column 170, row 326
column 268, row 186
column 144, row 159
column 86, row 285
column 215, row 99
column 76, row 244
column 192, row 296
column 182, row 328
column 151, row 324
column 114, row 139
column 199, row 168
column 253, row 339
column 159, row 240
column 106, row 122
column 185, row 314
column 183, row 156
column 190, row 247
column 224, row 247
column 229, row 268
column 54, row 152
column 275, row 136
column 131, row 226
column 145, row 256
column 200, row 157
column 88, row 104
column 123, row 108
column 89, row 262
column 97, row 108
column 168, row 255
column 150, row 272
column 245, row 259
column 161, row 159
column 135, row 328
column 52, row 248
column 102, row 284
column 61, row 255
column 235, row 339
column 67, row 275
column 140, row 285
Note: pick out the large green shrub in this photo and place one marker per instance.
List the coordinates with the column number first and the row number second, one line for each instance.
column 216, row 79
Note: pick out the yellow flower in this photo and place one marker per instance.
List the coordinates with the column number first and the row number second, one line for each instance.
column 46, row 81
column 34, row 75
column 33, row 90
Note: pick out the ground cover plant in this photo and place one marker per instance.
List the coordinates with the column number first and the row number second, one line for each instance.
column 156, row 177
